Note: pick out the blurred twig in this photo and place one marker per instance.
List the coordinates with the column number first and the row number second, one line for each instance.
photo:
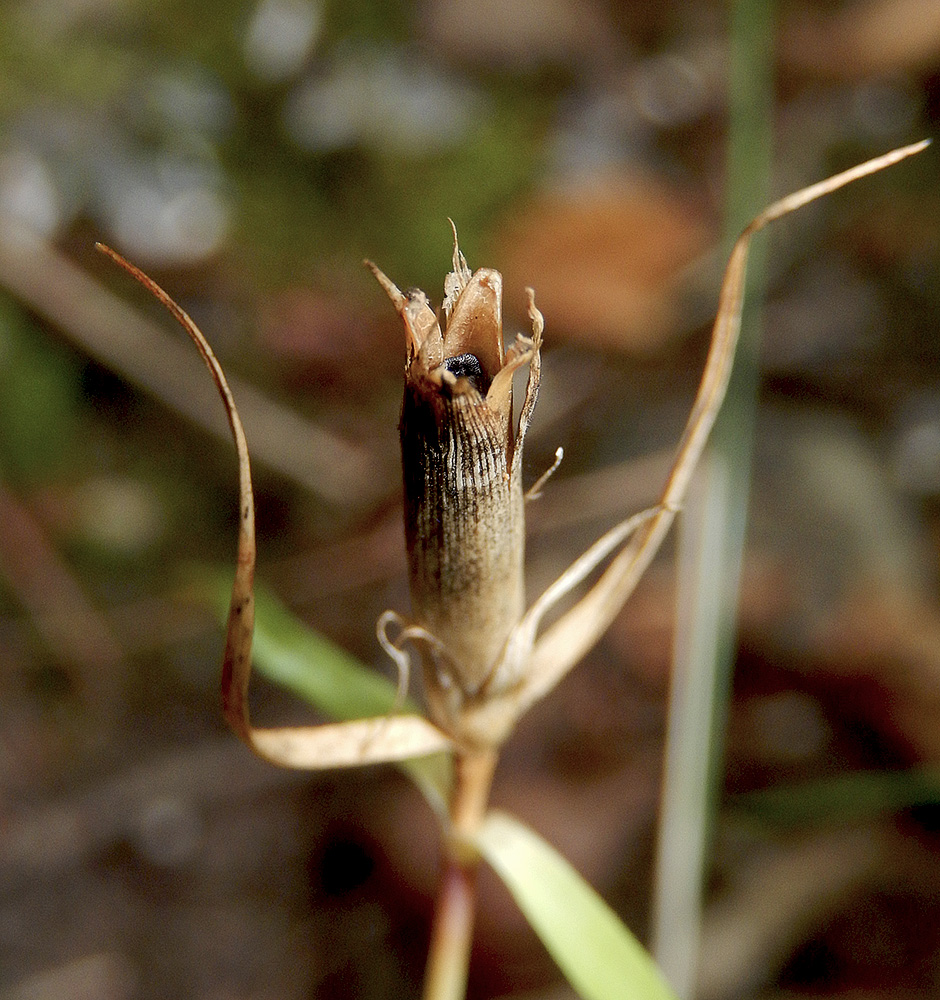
column 144, row 353
column 101, row 975
column 58, row 836
column 601, row 494
column 751, row 930
column 77, row 633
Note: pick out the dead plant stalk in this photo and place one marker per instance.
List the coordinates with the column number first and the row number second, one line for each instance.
column 484, row 658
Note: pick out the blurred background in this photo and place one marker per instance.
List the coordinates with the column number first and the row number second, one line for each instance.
column 249, row 155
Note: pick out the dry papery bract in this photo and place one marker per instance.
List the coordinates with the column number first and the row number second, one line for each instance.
column 485, row 659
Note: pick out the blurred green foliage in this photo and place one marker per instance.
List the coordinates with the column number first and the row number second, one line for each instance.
column 39, row 400
column 296, row 210
column 843, row 799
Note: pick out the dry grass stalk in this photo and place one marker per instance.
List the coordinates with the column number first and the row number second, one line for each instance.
column 485, row 660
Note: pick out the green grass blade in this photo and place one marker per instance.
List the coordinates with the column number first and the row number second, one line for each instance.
column 598, row 955
column 293, row 655
column 844, row 799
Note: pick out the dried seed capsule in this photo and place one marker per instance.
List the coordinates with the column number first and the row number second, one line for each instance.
column 461, row 457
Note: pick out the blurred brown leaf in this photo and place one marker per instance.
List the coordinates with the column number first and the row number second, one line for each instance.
column 865, row 38
column 604, row 257
column 527, row 31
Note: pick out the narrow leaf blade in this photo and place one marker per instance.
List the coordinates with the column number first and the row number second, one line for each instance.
column 296, row 657
column 598, row 955
column 846, row 798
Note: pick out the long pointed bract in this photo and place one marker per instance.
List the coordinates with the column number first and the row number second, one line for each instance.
column 366, row 741
column 563, row 644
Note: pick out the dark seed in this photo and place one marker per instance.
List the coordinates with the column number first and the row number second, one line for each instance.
column 468, row 366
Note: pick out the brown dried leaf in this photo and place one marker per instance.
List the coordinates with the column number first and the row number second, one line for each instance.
column 605, row 257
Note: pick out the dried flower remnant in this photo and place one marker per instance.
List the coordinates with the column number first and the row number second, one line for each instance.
column 485, row 659
column 459, row 391
column 462, row 472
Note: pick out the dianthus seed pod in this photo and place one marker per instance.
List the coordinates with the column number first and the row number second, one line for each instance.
column 458, row 404
column 461, row 458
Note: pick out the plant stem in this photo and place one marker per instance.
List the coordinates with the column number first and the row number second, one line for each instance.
column 711, row 540
column 452, row 929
